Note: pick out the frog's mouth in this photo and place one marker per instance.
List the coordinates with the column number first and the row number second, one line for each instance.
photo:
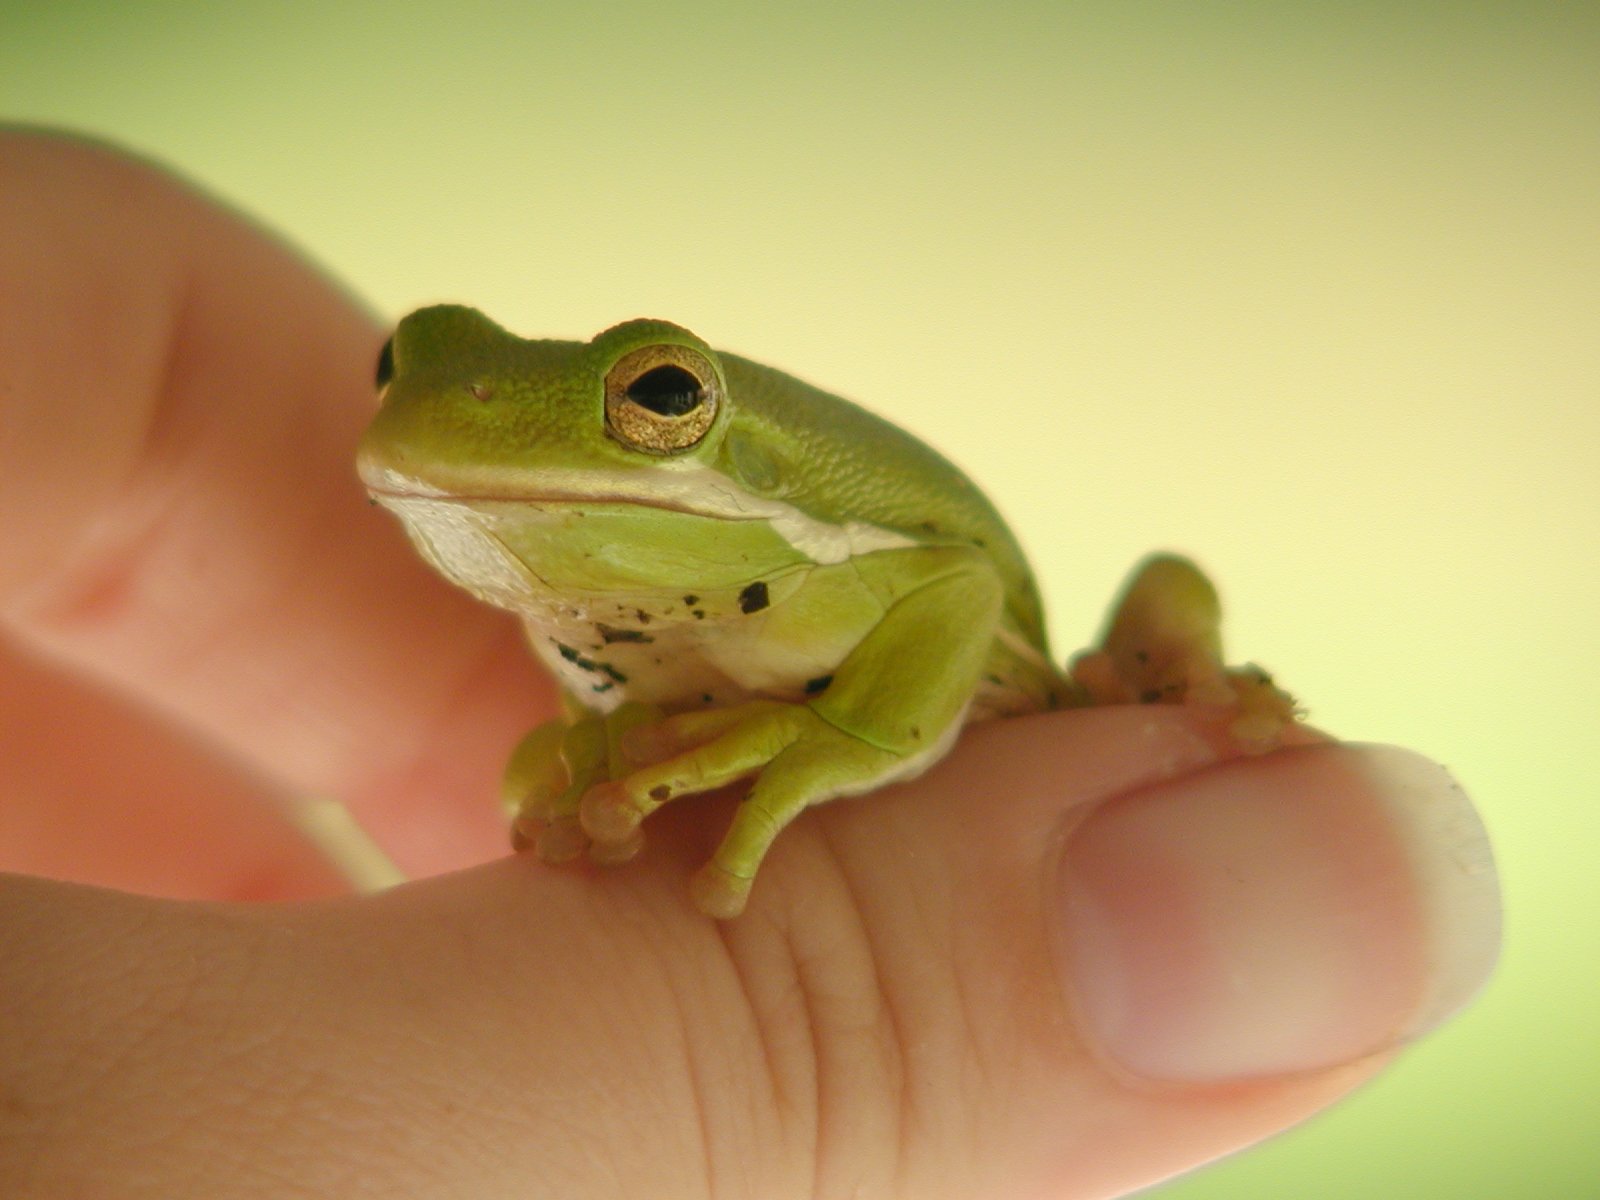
column 695, row 491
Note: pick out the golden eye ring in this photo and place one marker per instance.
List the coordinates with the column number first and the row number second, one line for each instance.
column 661, row 399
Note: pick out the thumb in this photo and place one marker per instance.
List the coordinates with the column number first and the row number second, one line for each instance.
column 1080, row 955
column 1100, row 954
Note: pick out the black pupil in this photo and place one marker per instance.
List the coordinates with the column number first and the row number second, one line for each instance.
column 669, row 391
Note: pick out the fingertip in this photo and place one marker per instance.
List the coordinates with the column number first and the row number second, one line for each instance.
column 1275, row 916
column 1450, row 856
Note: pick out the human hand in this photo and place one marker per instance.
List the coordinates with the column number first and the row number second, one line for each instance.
column 1085, row 952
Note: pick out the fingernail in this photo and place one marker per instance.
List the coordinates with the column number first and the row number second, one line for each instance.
column 1277, row 915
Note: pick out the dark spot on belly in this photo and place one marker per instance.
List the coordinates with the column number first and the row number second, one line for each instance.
column 753, row 598
column 609, row 634
column 691, row 601
column 588, row 664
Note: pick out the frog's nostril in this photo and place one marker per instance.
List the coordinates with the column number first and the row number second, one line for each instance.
column 480, row 391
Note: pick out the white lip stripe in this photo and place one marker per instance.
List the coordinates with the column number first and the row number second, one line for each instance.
column 688, row 489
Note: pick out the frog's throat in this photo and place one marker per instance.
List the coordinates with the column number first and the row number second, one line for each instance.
column 695, row 491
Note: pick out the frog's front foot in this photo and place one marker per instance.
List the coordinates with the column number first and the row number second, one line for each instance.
column 796, row 756
column 1163, row 645
column 552, row 768
column 587, row 787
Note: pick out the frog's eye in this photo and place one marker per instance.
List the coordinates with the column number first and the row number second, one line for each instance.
column 661, row 399
column 385, row 371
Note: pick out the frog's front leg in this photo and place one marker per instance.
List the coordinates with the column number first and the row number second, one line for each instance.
column 892, row 706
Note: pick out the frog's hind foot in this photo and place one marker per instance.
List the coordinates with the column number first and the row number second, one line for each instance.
column 1163, row 645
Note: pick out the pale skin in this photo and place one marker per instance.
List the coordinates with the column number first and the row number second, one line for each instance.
column 181, row 396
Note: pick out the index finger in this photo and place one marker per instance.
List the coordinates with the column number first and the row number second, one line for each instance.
column 182, row 398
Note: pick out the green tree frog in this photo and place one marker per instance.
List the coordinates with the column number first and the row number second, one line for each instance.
column 736, row 576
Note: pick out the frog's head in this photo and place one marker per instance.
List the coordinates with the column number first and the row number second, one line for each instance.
column 471, row 411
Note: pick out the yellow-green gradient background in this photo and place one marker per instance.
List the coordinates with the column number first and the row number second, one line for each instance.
column 1308, row 291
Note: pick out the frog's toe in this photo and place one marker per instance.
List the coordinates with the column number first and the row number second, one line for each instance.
column 611, row 854
column 609, row 814
column 524, row 833
column 1263, row 710
column 718, row 892
column 536, row 775
column 560, row 841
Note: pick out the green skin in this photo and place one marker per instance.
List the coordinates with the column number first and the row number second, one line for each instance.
column 733, row 575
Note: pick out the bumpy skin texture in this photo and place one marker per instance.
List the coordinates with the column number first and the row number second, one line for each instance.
column 737, row 576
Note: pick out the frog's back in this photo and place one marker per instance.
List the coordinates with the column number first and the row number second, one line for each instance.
column 860, row 467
